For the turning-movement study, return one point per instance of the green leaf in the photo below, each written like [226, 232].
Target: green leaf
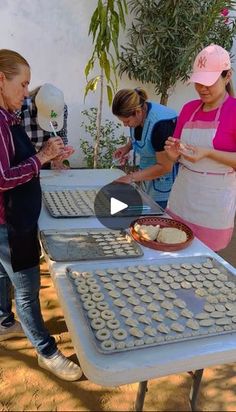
[89, 67]
[109, 95]
[91, 85]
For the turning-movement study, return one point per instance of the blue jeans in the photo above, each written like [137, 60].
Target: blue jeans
[26, 284]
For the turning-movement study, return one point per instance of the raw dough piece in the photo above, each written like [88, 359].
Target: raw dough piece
[217, 315]
[85, 297]
[154, 307]
[158, 317]
[201, 292]
[150, 274]
[114, 294]
[98, 323]
[145, 319]
[164, 286]
[139, 342]
[190, 278]
[148, 232]
[134, 284]
[184, 272]
[192, 324]
[202, 315]
[153, 289]
[128, 276]
[133, 301]
[212, 299]
[163, 328]
[171, 235]
[186, 266]
[209, 308]
[177, 327]
[119, 334]
[102, 305]
[167, 305]
[127, 292]
[150, 331]
[170, 294]
[89, 304]
[146, 298]
[206, 322]
[220, 308]
[146, 282]
[165, 268]
[120, 303]
[218, 283]
[120, 345]
[122, 285]
[139, 309]
[94, 288]
[131, 322]
[204, 270]
[169, 279]
[186, 285]
[82, 288]
[103, 334]
[140, 291]
[108, 345]
[139, 276]
[159, 296]
[179, 303]
[113, 324]
[223, 321]
[97, 296]
[215, 271]
[175, 285]
[143, 268]
[93, 313]
[210, 276]
[133, 269]
[109, 286]
[187, 313]
[195, 271]
[155, 268]
[107, 314]
[231, 313]
[207, 284]
[126, 312]
[136, 332]
[208, 264]
[171, 314]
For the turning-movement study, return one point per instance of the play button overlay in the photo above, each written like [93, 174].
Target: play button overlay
[117, 205]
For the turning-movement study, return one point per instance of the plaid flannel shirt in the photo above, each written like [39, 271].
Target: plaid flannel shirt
[38, 136]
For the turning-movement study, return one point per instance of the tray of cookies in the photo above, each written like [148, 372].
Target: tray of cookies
[71, 203]
[161, 233]
[129, 305]
[89, 244]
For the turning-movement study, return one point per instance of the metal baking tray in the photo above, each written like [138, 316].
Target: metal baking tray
[223, 294]
[89, 244]
[77, 202]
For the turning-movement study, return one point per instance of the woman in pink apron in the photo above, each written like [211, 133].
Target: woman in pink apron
[204, 193]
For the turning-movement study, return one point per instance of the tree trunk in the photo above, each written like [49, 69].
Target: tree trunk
[99, 121]
[164, 99]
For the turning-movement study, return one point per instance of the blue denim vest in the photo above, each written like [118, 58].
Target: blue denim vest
[159, 188]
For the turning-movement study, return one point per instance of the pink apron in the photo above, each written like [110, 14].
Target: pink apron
[204, 193]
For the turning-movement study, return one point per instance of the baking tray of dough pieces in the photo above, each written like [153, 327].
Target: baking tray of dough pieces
[89, 244]
[71, 203]
[63, 202]
[129, 305]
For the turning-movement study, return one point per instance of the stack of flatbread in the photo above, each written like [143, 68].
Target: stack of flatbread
[169, 235]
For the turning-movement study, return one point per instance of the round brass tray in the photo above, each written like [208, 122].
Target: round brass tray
[163, 222]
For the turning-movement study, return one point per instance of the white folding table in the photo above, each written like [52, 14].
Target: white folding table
[136, 365]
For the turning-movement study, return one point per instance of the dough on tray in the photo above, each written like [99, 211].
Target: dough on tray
[171, 235]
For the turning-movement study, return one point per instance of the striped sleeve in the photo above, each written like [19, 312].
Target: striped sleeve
[11, 177]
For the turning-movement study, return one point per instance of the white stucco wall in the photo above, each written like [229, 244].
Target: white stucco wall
[53, 36]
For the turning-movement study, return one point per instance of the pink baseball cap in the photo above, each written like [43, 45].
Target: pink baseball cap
[209, 64]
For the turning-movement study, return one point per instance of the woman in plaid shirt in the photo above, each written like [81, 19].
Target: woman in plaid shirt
[38, 136]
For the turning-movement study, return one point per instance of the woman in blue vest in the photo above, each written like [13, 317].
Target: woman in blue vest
[150, 125]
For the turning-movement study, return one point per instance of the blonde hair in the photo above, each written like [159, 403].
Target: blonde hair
[127, 101]
[10, 61]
